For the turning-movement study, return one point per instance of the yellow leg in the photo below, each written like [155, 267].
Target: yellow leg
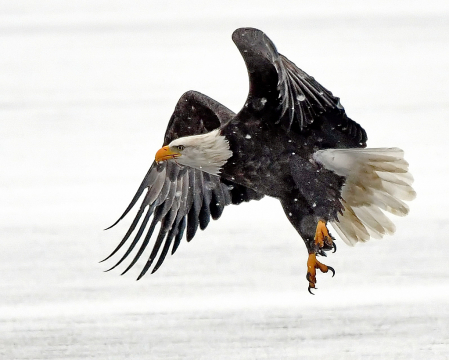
[322, 238]
[312, 265]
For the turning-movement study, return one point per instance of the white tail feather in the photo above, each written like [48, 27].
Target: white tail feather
[376, 180]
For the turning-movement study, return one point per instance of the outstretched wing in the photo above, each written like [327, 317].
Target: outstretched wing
[178, 197]
[283, 93]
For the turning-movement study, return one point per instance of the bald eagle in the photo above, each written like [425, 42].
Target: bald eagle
[292, 140]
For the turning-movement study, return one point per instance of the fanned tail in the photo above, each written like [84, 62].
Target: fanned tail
[377, 180]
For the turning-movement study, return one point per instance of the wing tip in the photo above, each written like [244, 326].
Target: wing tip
[239, 32]
[110, 227]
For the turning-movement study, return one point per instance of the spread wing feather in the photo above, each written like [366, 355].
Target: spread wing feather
[281, 91]
[178, 198]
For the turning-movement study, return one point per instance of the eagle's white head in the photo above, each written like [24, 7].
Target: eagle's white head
[206, 152]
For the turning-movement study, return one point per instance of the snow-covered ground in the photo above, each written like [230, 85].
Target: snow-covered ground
[86, 91]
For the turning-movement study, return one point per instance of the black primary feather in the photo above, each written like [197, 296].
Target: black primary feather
[289, 95]
[178, 197]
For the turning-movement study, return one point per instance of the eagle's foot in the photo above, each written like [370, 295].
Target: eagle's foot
[312, 265]
[323, 240]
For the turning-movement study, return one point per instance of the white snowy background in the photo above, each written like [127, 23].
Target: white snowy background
[86, 91]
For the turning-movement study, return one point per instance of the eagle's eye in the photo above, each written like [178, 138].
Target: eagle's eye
[180, 147]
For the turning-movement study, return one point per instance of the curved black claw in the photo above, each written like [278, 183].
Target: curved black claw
[331, 269]
[310, 291]
[322, 253]
[308, 278]
[334, 246]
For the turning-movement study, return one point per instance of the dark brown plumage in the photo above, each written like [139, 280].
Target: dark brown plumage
[284, 143]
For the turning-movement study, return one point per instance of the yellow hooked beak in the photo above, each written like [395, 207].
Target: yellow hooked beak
[165, 153]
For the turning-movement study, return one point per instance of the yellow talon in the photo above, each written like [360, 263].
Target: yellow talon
[322, 236]
[312, 265]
